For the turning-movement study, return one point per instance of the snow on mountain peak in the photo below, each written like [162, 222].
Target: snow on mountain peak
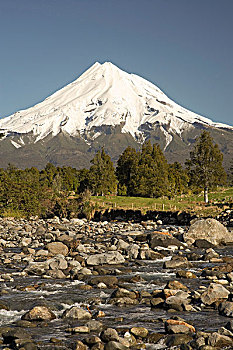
[104, 95]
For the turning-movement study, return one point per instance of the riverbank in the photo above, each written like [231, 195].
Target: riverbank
[78, 284]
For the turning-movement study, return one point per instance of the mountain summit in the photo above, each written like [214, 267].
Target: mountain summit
[107, 107]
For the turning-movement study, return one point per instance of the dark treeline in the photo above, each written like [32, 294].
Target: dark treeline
[66, 191]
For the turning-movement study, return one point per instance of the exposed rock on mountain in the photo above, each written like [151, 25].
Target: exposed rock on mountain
[106, 107]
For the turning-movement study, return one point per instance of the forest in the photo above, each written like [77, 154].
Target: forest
[66, 191]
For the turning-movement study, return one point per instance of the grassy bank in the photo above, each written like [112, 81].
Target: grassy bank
[218, 201]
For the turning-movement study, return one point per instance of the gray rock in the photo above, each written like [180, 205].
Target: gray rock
[139, 332]
[176, 303]
[178, 339]
[122, 245]
[133, 251]
[163, 239]
[213, 293]
[15, 333]
[79, 345]
[226, 308]
[94, 325]
[107, 280]
[109, 334]
[110, 258]
[176, 262]
[177, 329]
[37, 268]
[58, 262]
[210, 230]
[56, 248]
[219, 340]
[39, 313]
[122, 292]
[56, 274]
[77, 313]
[114, 345]
[157, 303]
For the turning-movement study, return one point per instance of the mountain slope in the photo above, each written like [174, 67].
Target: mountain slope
[107, 107]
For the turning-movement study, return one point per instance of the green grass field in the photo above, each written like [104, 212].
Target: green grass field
[218, 200]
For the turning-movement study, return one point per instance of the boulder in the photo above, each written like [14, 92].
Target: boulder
[109, 334]
[177, 326]
[203, 243]
[209, 229]
[122, 292]
[219, 340]
[58, 262]
[177, 302]
[93, 339]
[157, 303]
[122, 245]
[79, 345]
[107, 280]
[185, 274]
[215, 292]
[95, 326]
[133, 251]
[175, 285]
[226, 308]
[56, 274]
[163, 239]
[37, 268]
[110, 258]
[15, 333]
[39, 313]
[176, 262]
[114, 345]
[124, 301]
[77, 313]
[139, 332]
[178, 339]
[56, 248]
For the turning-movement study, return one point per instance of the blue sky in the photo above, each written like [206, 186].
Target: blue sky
[183, 46]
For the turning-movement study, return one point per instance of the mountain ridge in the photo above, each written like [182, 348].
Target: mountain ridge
[103, 102]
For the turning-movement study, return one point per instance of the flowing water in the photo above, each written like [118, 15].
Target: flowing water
[62, 294]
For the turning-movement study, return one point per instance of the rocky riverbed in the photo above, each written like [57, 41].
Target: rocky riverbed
[80, 284]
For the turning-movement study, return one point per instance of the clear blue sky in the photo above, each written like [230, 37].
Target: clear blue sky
[183, 46]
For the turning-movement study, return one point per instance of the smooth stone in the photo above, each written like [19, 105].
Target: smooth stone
[114, 345]
[55, 248]
[39, 313]
[226, 308]
[213, 293]
[209, 229]
[77, 313]
[139, 332]
[111, 258]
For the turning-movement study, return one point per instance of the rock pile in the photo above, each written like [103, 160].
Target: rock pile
[102, 256]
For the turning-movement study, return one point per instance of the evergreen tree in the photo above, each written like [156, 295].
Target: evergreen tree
[84, 180]
[126, 169]
[143, 173]
[205, 164]
[178, 179]
[102, 174]
[151, 178]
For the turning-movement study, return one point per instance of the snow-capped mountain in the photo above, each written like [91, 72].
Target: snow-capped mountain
[103, 101]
